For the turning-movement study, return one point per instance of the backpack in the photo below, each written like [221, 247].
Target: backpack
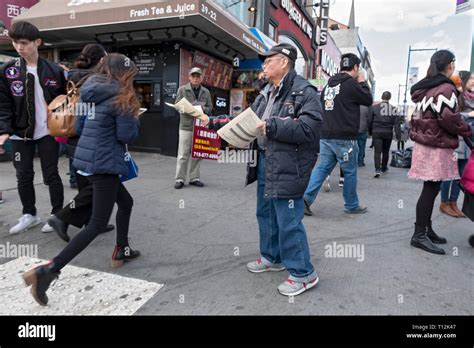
[62, 111]
[401, 159]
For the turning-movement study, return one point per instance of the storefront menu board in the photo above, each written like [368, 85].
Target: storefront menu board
[145, 62]
[216, 72]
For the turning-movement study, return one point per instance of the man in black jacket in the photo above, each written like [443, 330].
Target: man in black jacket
[290, 113]
[383, 120]
[27, 85]
[341, 98]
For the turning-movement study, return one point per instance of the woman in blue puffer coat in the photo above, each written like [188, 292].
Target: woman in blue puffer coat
[111, 123]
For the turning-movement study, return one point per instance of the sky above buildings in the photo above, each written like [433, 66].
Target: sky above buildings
[388, 28]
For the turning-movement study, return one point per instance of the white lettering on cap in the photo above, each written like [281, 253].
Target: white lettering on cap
[285, 51]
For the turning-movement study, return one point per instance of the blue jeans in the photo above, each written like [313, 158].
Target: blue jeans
[361, 142]
[450, 189]
[331, 152]
[282, 234]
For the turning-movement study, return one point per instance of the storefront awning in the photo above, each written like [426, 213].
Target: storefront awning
[65, 22]
[264, 39]
[255, 63]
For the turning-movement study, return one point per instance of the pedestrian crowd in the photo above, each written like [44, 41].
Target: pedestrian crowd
[297, 123]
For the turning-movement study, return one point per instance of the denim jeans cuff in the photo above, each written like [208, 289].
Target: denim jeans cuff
[306, 279]
[352, 207]
[308, 200]
[268, 263]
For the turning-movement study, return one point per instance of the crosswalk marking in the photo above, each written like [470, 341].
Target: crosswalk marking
[77, 291]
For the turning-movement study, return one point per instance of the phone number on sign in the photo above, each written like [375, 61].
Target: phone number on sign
[206, 155]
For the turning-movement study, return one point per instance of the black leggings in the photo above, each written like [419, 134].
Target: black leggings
[106, 191]
[424, 207]
[79, 210]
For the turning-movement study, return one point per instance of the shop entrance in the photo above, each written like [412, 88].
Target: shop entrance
[149, 94]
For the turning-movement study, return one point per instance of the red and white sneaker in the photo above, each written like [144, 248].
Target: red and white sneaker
[292, 288]
[258, 267]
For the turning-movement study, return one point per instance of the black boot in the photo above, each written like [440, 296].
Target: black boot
[421, 240]
[434, 237]
[59, 227]
[123, 254]
[109, 228]
[40, 278]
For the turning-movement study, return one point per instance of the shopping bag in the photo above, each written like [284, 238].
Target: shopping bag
[467, 184]
[132, 167]
[401, 159]
[468, 205]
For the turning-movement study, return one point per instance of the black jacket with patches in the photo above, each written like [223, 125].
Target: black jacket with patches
[292, 138]
[17, 94]
[341, 99]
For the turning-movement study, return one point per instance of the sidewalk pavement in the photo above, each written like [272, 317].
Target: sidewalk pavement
[197, 241]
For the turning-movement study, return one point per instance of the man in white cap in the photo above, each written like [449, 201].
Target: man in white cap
[196, 94]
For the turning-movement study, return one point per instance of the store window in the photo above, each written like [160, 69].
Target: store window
[148, 93]
[239, 9]
[272, 31]
[301, 64]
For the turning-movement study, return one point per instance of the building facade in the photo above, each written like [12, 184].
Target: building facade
[164, 39]
[290, 21]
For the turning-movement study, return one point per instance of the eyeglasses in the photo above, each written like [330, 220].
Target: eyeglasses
[268, 60]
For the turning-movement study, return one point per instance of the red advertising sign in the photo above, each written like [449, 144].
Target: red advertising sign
[10, 9]
[206, 143]
[216, 72]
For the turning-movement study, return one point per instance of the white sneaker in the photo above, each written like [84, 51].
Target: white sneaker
[327, 185]
[47, 228]
[26, 222]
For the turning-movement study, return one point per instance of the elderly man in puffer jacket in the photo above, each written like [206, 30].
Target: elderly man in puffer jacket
[290, 113]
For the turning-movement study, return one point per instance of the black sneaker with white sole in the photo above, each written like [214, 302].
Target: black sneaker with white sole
[307, 210]
[361, 209]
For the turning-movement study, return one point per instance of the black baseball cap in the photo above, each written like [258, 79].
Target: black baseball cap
[285, 49]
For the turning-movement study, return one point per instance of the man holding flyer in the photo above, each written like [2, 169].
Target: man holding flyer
[290, 117]
[197, 95]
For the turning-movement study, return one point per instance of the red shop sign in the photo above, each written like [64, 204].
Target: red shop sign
[9, 9]
[206, 143]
